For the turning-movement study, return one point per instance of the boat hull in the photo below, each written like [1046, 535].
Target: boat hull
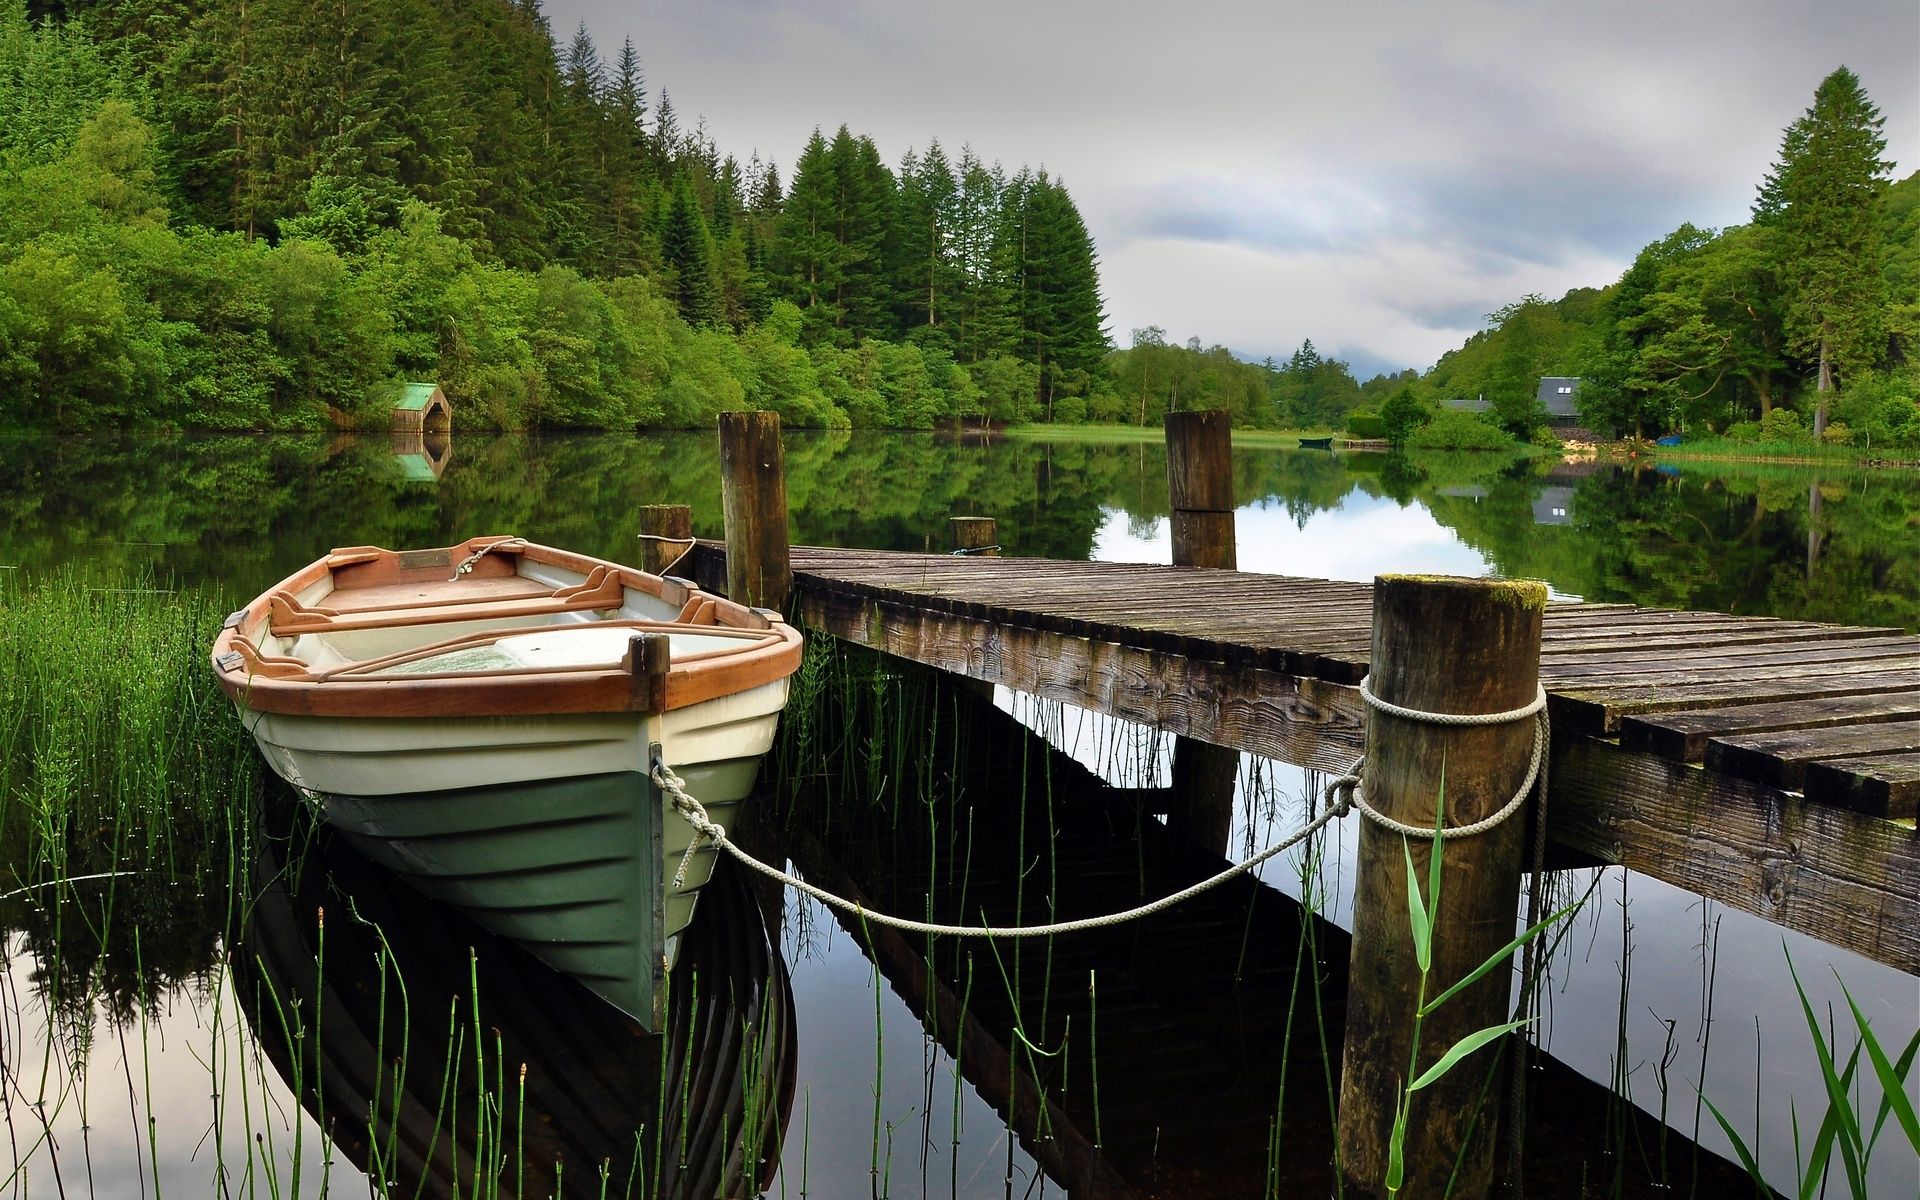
[546, 829]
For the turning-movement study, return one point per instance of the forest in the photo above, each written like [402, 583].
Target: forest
[256, 214]
[252, 214]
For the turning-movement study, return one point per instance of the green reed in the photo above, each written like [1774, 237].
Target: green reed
[1843, 1132]
[117, 750]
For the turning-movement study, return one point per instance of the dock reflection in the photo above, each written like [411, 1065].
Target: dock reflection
[443, 1061]
[1194, 1052]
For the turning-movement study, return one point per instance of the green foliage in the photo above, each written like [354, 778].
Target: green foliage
[1781, 425]
[1152, 377]
[1451, 430]
[1311, 391]
[1402, 415]
[1819, 209]
[1366, 425]
[1883, 407]
[250, 215]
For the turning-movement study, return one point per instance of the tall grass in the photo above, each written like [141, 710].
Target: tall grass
[117, 750]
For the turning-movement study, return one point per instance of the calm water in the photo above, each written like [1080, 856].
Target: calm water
[1141, 1064]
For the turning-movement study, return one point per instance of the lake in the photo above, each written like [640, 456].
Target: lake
[194, 1030]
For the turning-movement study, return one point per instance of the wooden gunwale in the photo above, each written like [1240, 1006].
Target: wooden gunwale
[268, 683]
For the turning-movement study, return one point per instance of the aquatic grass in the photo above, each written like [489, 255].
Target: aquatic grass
[1841, 1131]
[117, 750]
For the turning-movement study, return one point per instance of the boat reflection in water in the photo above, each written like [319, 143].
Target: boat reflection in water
[444, 1061]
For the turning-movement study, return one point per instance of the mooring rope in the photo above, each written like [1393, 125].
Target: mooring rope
[705, 829]
[470, 561]
[1345, 785]
[686, 545]
[1542, 735]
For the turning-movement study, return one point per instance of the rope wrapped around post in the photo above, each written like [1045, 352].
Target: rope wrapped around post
[1348, 782]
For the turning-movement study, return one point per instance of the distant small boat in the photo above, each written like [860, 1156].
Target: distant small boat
[1316, 443]
[482, 719]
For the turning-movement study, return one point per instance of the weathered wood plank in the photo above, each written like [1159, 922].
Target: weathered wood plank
[1684, 736]
[1598, 709]
[1266, 712]
[1848, 880]
[1781, 759]
[1886, 785]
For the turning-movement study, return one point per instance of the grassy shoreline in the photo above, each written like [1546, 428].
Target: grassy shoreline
[1781, 453]
[1249, 439]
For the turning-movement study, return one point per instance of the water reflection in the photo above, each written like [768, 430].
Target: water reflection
[444, 1062]
[1828, 544]
[1190, 1053]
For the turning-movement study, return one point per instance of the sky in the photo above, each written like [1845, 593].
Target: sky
[1375, 176]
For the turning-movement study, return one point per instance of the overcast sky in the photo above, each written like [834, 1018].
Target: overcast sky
[1376, 176]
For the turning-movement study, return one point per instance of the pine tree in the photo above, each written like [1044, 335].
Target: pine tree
[626, 117]
[983, 329]
[1046, 261]
[929, 239]
[1820, 205]
[804, 260]
[864, 198]
[666, 135]
[688, 257]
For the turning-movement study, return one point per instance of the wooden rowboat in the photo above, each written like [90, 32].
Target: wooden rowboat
[482, 719]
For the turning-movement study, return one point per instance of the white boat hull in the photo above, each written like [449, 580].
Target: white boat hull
[544, 828]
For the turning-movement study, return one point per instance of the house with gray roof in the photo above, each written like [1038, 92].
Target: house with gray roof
[1469, 404]
[1556, 395]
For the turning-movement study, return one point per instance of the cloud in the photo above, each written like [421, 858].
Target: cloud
[1375, 175]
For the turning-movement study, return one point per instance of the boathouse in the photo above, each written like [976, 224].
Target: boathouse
[421, 408]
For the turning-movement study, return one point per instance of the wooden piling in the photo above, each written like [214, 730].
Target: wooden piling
[753, 491]
[975, 536]
[1200, 486]
[665, 532]
[1440, 645]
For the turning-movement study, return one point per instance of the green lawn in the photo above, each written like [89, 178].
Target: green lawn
[1777, 452]
[1250, 439]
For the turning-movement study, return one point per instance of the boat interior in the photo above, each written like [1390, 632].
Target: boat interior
[488, 606]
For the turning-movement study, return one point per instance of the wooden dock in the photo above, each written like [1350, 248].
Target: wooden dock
[1767, 764]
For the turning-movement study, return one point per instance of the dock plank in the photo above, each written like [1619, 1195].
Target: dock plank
[1683, 736]
[1885, 785]
[1780, 759]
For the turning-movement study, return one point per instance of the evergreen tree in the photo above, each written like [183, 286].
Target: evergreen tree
[626, 104]
[1045, 259]
[930, 270]
[687, 254]
[982, 328]
[864, 202]
[666, 135]
[805, 259]
[1819, 205]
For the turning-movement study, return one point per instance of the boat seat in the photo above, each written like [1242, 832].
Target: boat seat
[468, 599]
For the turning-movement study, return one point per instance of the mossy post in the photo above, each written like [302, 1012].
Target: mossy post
[665, 530]
[753, 493]
[975, 536]
[1440, 645]
[1200, 488]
